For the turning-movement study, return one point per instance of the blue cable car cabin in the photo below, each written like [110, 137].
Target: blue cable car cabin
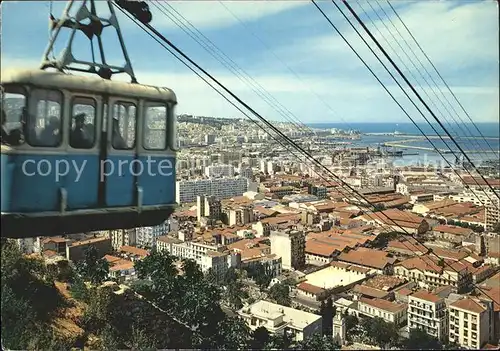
[82, 154]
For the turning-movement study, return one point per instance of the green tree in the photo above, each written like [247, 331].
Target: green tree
[92, 268]
[260, 337]
[496, 228]
[261, 275]
[29, 301]
[192, 299]
[327, 311]
[420, 340]
[234, 293]
[317, 342]
[280, 292]
[141, 341]
[380, 332]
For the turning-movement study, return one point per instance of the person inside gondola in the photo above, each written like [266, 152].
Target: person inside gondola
[50, 134]
[13, 137]
[79, 138]
[118, 142]
[5, 132]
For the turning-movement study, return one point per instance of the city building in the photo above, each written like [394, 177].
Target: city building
[122, 237]
[222, 188]
[208, 206]
[290, 245]
[428, 312]
[392, 312]
[319, 191]
[471, 322]
[246, 172]
[75, 251]
[277, 319]
[146, 236]
[429, 273]
[219, 171]
[492, 215]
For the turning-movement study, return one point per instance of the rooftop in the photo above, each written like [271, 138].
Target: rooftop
[269, 310]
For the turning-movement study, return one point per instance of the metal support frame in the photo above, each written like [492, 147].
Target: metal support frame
[66, 60]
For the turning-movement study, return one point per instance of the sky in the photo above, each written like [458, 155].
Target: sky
[292, 57]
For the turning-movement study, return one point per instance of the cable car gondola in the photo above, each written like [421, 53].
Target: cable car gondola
[82, 153]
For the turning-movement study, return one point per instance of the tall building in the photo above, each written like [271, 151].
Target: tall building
[209, 139]
[246, 172]
[471, 322]
[219, 171]
[427, 311]
[492, 214]
[146, 236]
[122, 237]
[222, 188]
[240, 215]
[208, 206]
[319, 191]
[290, 245]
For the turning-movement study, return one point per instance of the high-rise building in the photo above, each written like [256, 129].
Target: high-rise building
[492, 214]
[471, 322]
[290, 245]
[427, 311]
[221, 188]
[208, 206]
[219, 171]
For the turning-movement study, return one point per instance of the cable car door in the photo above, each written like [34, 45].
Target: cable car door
[157, 181]
[119, 167]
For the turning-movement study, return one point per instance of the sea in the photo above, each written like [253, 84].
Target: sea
[480, 141]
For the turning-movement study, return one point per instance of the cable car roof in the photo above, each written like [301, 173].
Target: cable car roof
[58, 80]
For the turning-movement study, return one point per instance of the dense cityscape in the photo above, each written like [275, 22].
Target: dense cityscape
[298, 260]
[366, 230]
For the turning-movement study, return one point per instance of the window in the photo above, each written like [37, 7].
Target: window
[123, 126]
[83, 128]
[43, 124]
[172, 128]
[155, 127]
[13, 107]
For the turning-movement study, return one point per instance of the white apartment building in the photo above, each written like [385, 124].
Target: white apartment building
[290, 246]
[471, 322]
[241, 215]
[281, 320]
[146, 236]
[479, 197]
[492, 215]
[219, 171]
[208, 256]
[208, 206]
[222, 188]
[122, 237]
[392, 312]
[428, 274]
[427, 311]
[246, 172]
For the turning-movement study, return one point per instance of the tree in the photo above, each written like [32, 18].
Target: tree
[380, 332]
[327, 311]
[260, 274]
[92, 268]
[260, 337]
[317, 342]
[280, 293]
[351, 325]
[141, 341]
[29, 301]
[420, 340]
[496, 228]
[234, 289]
[383, 239]
[194, 300]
